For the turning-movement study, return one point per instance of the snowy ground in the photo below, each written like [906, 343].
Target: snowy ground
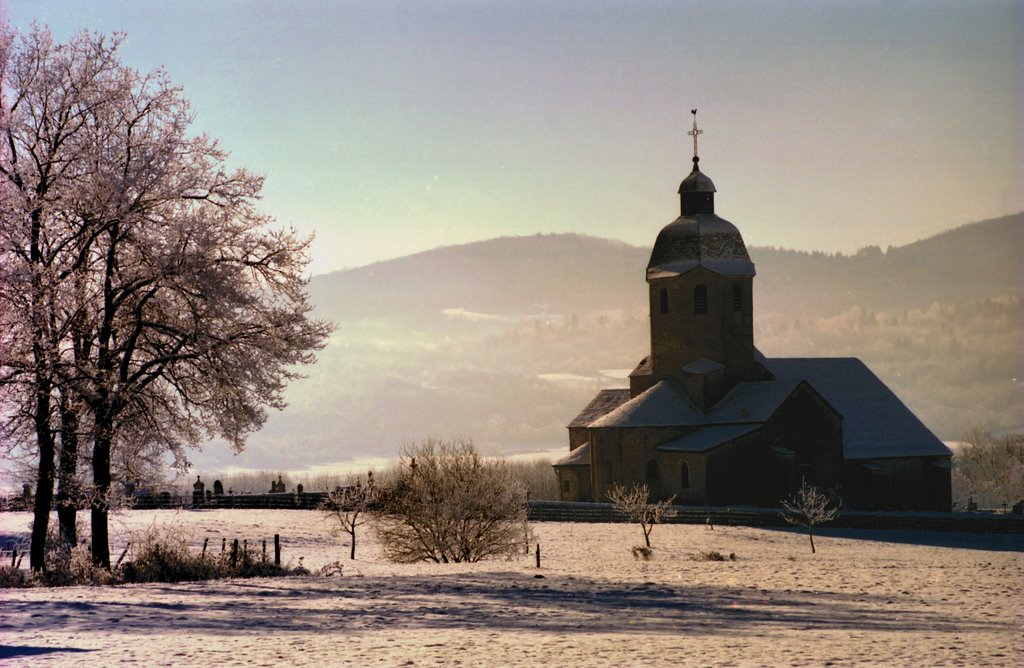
[870, 598]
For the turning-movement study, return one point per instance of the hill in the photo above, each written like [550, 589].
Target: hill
[572, 273]
[503, 341]
[508, 276]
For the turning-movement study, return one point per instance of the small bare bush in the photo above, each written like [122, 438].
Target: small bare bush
[445, 503]
[333, 569]
[164, 555]
[635, 504]
[642, 553]
[712, 555]
[74, 566]
[12, 576]
[809, 507]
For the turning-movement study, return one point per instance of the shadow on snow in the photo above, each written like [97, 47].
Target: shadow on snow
[506, 601]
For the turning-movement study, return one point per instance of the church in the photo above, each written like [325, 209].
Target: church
[710, 420]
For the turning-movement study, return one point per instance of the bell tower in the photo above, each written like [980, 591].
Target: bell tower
[700, 280]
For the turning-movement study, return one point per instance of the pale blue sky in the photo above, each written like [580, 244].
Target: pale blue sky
[393, 127]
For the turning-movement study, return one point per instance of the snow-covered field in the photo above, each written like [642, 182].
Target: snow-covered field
[871, 598]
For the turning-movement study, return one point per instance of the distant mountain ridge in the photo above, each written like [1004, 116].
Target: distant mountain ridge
[506, 275]
[573, 273]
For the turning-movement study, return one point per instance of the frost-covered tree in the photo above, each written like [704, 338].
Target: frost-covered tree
[809, 507]
[161, 301]
[989, 468]
[636, 505]
[446, 504]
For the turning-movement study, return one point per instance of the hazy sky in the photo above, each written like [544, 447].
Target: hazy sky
[393, 127]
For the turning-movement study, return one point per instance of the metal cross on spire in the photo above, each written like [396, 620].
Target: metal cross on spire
[693, 133]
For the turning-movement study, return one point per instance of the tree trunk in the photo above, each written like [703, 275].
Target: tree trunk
[67, 491]
[44, 480]
[811, 536]
[100, 506]
[352, 554]
[43, 502]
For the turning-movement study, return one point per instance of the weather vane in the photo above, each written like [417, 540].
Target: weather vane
[693, 133]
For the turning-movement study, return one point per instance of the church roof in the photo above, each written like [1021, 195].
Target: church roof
[707, 438]
[660, 406]
[697, 182]
[754, 401]
[699, 240]
[643, 368]
[605, 402]
[876, 424]
[578, 457]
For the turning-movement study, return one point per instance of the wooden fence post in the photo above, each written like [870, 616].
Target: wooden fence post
[277, 549]
[121, 558]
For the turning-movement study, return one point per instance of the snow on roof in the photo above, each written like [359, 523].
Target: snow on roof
[876, 424]
[643, 368]
[578, 457]
[605, 402]
[660, 406]
[707, 438]
[699, 240]
[664, 405]
[749, 402]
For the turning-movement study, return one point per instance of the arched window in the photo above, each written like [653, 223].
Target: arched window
[684, 478]
[737, 297]
[663, 296]
[700, 299]
[652, 470]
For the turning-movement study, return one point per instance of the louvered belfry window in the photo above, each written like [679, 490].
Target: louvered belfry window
[700, 299]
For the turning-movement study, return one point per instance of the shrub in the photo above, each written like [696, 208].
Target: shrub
[73, 566]
[712, 555]
[13, 577]
[165, 556]
[641, 552]
[446, 504]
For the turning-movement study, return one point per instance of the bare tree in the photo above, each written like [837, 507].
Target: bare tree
[350, 506]
[160, 302]
[636, 505]
[809, 507]
[445, 503]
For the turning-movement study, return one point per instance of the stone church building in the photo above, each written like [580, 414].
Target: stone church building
[707, 418]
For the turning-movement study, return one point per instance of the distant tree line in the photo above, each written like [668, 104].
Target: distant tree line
[989, 469]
